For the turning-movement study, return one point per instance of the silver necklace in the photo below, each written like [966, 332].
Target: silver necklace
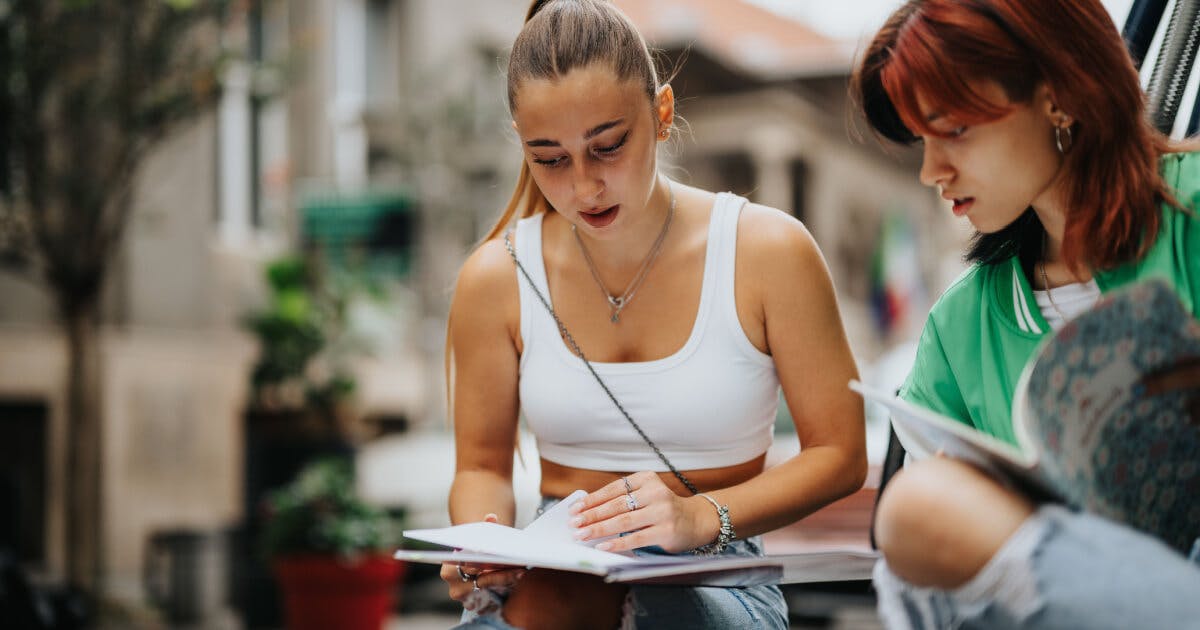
[616, 303]
[1046, 282]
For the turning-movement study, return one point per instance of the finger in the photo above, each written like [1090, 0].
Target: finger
[475, 568]
[606, 493]
[620, 524]
[607, 510]
[500, 579]
[635, 540]
[1183, 375]
[458, 590]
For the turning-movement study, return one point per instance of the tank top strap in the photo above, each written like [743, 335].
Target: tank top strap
[527, 239]
[722, 249]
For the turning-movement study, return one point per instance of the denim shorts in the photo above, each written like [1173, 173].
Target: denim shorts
[671, 607]
[1060, 569]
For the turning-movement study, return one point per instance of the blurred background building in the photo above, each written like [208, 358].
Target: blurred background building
[372, 136]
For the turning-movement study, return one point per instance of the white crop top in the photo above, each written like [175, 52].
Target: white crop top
[710, 404]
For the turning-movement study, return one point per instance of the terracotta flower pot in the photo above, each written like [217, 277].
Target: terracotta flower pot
[321, 592]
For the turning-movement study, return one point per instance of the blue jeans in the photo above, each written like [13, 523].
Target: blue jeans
[1060, 569]
[670, 607]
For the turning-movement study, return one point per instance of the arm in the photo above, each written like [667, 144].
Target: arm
[484, 326]
[802, 330]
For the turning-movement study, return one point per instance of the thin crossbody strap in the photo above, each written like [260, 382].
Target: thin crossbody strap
[579, 352]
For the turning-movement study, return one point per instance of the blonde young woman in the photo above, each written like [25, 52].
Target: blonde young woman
[693, 309]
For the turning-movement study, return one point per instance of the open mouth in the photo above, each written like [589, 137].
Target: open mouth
[600, 218]
[963, 205]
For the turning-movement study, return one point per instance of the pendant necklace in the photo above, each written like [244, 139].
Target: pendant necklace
[616, 303]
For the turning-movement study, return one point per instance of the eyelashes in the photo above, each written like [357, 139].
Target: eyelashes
[602, 152]
[613, 148]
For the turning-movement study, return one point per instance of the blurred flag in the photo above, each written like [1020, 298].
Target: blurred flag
[895, 274]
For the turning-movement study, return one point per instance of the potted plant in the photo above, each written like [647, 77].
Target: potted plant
[306, 347]
[301, 404]
[331, 551]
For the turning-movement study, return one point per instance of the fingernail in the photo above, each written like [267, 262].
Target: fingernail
[580, 534]
[576, 507]
[577, 521]
[604, 546]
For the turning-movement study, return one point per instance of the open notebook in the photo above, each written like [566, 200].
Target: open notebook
[547, 543]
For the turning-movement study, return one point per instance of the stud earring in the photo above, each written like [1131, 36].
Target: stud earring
[664, 134]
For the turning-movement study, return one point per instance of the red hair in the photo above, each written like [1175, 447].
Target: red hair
[939, 49]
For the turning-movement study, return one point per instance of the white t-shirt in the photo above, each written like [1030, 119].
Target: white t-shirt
[1071, 299]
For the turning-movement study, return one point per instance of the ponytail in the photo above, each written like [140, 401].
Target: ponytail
[527, 200]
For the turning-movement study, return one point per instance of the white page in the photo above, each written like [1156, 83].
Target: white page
[818, 566]
[924, 432]
[501, 540]
[555, 523]
[459, 557]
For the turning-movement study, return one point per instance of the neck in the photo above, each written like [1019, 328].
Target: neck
[628, 250]
[1057, 272]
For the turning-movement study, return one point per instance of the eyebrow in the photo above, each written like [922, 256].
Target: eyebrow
[591, 133]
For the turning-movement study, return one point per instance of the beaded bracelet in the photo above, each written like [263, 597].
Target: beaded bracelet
[724, 536]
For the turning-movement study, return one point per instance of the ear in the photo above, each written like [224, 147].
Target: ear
[664, 110]
[1044, 99]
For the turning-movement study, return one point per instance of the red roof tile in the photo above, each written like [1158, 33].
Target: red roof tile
[742, 35]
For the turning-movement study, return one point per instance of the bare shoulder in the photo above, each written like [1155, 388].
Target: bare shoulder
[487, 268]
[487, 285]
[770, 241]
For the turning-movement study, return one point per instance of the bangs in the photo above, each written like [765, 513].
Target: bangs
[922, 67]
[916, 73]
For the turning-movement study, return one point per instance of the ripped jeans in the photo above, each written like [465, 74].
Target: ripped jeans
[1060, 569]
[670, 607]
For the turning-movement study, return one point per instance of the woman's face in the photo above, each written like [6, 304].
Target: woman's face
[589, 139]
[993, 171]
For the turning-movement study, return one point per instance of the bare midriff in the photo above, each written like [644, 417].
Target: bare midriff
[559, 480]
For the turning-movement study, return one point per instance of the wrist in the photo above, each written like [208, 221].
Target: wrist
[724, 527]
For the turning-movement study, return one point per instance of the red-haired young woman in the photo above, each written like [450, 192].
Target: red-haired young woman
[1033, 125]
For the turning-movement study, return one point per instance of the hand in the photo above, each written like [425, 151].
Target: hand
[463, 578]
[658, 516]
[1183, 375]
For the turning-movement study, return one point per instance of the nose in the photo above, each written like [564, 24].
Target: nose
[587, 182]
[935, 168]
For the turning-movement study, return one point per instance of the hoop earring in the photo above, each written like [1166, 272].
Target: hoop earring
[1058, 139]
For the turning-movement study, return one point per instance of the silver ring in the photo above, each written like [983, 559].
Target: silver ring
[631, 501]
[628, 488]
[464, 576]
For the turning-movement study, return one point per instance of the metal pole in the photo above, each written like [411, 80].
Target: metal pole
[1174, 64]
[1140, 26]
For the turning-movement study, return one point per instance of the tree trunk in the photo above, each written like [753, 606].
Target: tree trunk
[84, 448]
